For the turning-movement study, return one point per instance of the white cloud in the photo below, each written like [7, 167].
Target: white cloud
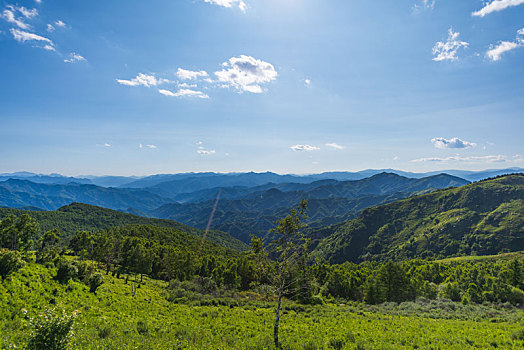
[187, 86]
[50, 28]
[495, 51]
[424, 5]
[151, 146]
[27, 13]
[473, 159]
[246, 73]
[307, 82]
[183, 93]
[59, 23]
[334, 146]
[107, 145]
[144, 80]
[190, 75]
[396, 158]
[9, 16]
[49, 48]
[229, 3]
[448, 50]
[304, 148]
[21, 36]
[495, 6]
[455, 142]
[74, 57]
[205, 152]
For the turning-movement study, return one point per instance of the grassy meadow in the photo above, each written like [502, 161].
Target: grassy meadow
[114, 319]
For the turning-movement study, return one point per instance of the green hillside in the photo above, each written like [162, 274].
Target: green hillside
[115, 318]
[482, 218]
[84, 217]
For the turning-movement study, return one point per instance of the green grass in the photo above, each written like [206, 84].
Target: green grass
[474, 258]
[113, 319]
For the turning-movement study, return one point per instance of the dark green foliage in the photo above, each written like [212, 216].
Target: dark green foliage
[51, 331]
[66, 271]
[142, 327]
[95, 281]
[10, 261]
[83, 217]
[17, 233]
[479, 219]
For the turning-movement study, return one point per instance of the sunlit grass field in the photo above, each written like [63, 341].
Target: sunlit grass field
[114, 319]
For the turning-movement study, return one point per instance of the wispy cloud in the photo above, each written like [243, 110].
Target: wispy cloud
[147, 146]
[206, 152]
[495, 52]
[9, 16]
[306, 148]
[190, 75]
[472, 159]
[51, 28]
[495, 6]
[334, 146]
[307, 82]
[447, 50]
[183, 93]
[107, 145]
[229, 3]
[424, 5]
[74, 57]
[245, 73]
[22, 36]
[144, 80]
[455, 142]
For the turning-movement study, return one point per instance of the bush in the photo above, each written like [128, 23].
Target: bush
[142, 327]
[104, 332]
[337, 343]
[518, 334]
[52, 330]
[66, 271]
[95, 281]
[10, 261]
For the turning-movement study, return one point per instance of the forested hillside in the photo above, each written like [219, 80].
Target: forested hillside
[482, 218]
[83, 217]
[330, 201]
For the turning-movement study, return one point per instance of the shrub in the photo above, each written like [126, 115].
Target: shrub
[66, 271]
[518, 334]
[95, 281]
[52, 330]
[337, 343]
[10, 261]
[104, 332]
[142, 327]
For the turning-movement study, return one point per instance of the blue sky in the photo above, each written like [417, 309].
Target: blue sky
[291, 86]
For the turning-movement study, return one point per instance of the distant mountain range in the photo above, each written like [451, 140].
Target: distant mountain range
[249, 203]
[191, 182]
[330, 201]
[482, 218]
[22, 193]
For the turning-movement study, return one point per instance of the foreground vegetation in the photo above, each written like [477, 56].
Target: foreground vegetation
[114, 319]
